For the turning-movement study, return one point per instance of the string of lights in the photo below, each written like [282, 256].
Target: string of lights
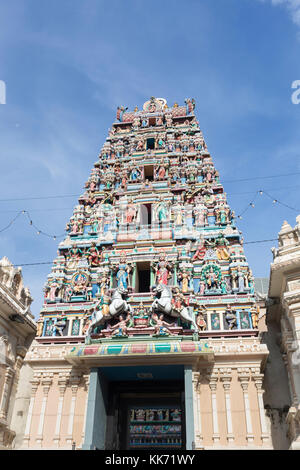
[31, 223]
[239, 216]
[51, 262]
[274, 200]
[237, 180]
[53, 209]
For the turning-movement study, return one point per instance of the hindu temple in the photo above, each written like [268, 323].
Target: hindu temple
[148, 337]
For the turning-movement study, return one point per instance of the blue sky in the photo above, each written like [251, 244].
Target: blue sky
[68, 64]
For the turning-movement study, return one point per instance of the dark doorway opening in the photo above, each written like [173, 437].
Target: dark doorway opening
[148, 172]
[150, 144]
[143, 277]
[147, 415]
[152, 121]
[146, 214]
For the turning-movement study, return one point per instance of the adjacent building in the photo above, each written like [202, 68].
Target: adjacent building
[283, 321]
[17, 330]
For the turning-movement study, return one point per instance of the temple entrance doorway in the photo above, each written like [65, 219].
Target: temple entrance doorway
[147, 414]
[151, 421]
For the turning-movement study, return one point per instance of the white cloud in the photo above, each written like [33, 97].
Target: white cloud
[293, 6]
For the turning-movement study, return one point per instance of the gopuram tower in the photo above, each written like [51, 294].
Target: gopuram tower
[148, 336]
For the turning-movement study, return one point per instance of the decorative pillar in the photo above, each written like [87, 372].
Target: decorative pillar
[86, 382]
[213, 380]
[258, 380]
[81, 326]
[46, 382]
[69, 333]
[189, 407]
[74, 382]
[293, 369]
[95, 428]
[34, 386]
[62, 384]
[198, 426]
[9, 374]
[226, 380]
[20, 355]
[290, 380]
[244, 378]
[221, 316]
[133, 281]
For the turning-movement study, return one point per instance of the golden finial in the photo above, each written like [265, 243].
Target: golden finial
[136, 109]
[175, 105]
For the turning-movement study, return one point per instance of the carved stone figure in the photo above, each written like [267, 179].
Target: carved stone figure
[120, 329]
[161, 327]
[122, 270]
[230, 317]
[184, 276]
[162, 270]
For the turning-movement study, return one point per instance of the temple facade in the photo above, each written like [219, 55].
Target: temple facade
[150, 332]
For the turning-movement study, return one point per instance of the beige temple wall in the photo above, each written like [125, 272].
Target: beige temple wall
[21, 405]
[55, 387]
[237, 364]
[238, 437]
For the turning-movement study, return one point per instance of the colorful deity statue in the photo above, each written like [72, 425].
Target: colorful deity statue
[135, 174]
[59, 325]
[211, 278]
[190, 105]
[179, 301]
[161, 328]
[221, 244]
[162, 270]
[80, 283]
[140, 145]
[240, 278]
[120, 111]
[130, 213]
[250, 279]
[94, 256]
[54, 287]
[122, 270]
[223, 286]
[185, 277]
[104, 283]
[200, 322]
[200, 213]
[161, 173]
[120, 329]
[230, 317]
[160, 143]
[254, 315]
[94, 224]
[162, 211]
[200, 251]
[68, 292]
[211, 275]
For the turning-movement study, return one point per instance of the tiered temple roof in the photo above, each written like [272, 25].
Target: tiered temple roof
[152, 248]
